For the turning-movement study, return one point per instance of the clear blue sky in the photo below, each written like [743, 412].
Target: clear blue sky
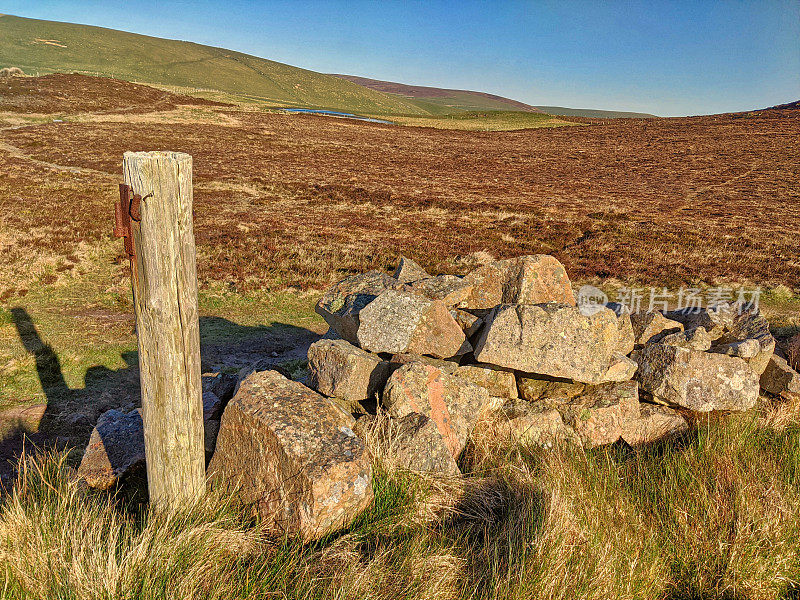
[668, 58]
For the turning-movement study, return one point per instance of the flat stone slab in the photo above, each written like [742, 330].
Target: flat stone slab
[534, 425]
[293, 456]
[500, 383]
[556, 340]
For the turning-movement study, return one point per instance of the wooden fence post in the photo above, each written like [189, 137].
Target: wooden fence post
[165, 300]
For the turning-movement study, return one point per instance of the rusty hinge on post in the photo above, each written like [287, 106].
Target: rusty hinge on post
[127, 210]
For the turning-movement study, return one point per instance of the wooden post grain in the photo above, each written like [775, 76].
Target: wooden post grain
[165, 301]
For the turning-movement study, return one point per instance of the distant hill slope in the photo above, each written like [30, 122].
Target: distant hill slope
[593, 113]
[48, 46]
[446, 100]
[442, 98]
[789, 105]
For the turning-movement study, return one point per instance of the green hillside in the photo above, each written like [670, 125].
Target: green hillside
[42, 47]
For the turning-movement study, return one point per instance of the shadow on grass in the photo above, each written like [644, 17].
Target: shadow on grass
[69, 414]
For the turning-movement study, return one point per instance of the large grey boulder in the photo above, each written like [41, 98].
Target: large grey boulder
[337, 368]
[700, 381]
[408, 271]
[533, 279]
[533, 425]
[115, 451]
[556, 340]
[780, 379]
[452, 403]
[293, 456]
[655, 423]
[396, 322]
[341, 304]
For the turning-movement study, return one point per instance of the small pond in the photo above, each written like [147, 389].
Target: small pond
[333, 113]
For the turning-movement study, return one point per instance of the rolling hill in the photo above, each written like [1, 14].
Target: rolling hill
[40, 47]
[442, 100]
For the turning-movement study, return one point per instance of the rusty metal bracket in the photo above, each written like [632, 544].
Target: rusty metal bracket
[126, 210]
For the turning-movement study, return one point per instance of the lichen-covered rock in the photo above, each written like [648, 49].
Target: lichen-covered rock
[741, 325]
[341, 304]
[408, 271]
[533, 424]
[700, 381]
[648, 325]
[469, 323]
[556, 340]
[452, 403]
[694, 339]
[450, 289]
[532, 388]
[115, 450]
[779, 378]
[655, 423]
[397, 322]
[498, 382]
[602, 413]
[337, 368]
[412, 442]
[292, 456]
[745, 349]
[534, 279]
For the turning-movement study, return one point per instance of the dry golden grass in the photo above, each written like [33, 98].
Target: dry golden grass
[713, 516]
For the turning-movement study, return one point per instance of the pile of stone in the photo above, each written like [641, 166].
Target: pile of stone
[419, 361]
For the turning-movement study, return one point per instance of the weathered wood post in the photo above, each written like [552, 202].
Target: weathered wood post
[164, 276]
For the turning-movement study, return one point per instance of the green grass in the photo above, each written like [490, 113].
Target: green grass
[110, 53]
[712, 517]
[485, 120]
[592, 113]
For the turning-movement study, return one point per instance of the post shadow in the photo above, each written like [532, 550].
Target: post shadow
[70, 414]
